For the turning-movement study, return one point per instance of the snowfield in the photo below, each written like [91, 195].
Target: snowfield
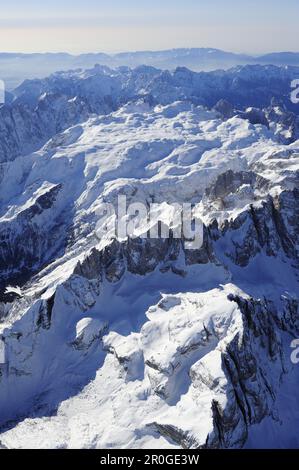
[144, 343]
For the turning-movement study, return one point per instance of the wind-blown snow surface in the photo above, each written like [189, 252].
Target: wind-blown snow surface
[145, 343]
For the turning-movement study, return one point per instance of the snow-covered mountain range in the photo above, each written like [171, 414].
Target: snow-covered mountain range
[39, 109]
[16, 67]
[143, 342]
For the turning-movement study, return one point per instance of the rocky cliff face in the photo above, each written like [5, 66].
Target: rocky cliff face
[271, 227]
[42, 237]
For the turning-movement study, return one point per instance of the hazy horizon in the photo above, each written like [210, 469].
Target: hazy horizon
[128, 51]
[250, 27]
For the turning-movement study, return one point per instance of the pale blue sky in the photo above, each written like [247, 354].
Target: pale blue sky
[252, 26]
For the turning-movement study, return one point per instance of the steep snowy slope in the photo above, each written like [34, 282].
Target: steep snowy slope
[146, 343]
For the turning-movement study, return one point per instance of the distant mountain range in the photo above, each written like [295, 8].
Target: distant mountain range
[16, 67]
